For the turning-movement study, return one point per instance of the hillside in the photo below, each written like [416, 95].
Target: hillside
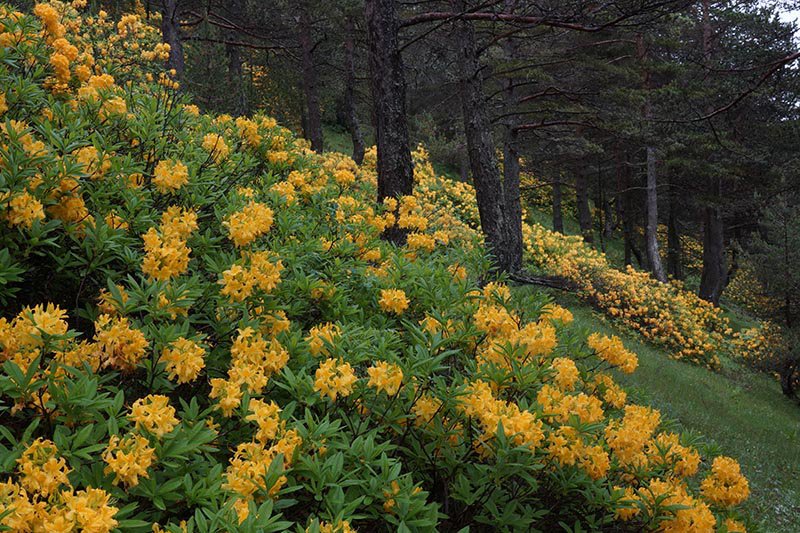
[203, 330]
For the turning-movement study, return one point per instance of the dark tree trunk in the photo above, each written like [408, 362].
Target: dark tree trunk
[651, 229]
[170, 33]
[714, 276]
[512, 195]
[350, 93]
[511, 168]
[395, 171]
[625, 210]
[788, 374]
[235, 75]
[492, 206]
[674, 248]
[558, 216]
[584, 213]
[651, 197]
[608, 211]
[313, 123]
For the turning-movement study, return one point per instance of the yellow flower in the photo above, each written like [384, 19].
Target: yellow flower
[319, 335]
[611, 350]
[334, 379]
[170, 175]
[128, 458]
[386, 377]
[393, 301]
[725, 486]
[246, 225]
[91, 510]
[121, 345]
[266, 416]
[22, 209]
[566, 373]
[184, 360]
[215, 145]
[40, 468]
[154, 415]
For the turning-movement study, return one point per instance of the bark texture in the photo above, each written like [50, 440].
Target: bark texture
[584, 213]
[234, 55]
[714, 276]
[395, 170]
[312, 129]
[651, 229]
[558, 216]
[170, 32]
[492, 206]
[351, 116]
[511, 164]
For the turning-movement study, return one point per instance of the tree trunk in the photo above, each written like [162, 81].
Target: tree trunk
[625, 209]
[651, 202]
[313, 122]
[713, 278]
[558, 217]
[480, 148]
[170, 33]
[674, 248]
[511, 168]
[350, 93]
[651, 229]
[395, 171]
[584, 213]
[512, 196]
[234, 54]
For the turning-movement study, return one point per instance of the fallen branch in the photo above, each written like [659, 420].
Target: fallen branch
[553, 282]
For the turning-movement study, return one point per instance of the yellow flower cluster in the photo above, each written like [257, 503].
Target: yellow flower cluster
[128, 458]
[44, 499]
[216, 146]
[611, 350]
[393, 301]
[266, 416]
[253, 360]
[166, 252]
[320, 335]
[725, 486]
[22, 209]
[628, 437]
[153, 414]
[120, 345]
[260, 272]
[338, 527]
[245, 474]
[170, 175]
[334, 378]
[385, 377]
[521, 426]
[184, 360]
[248, 224]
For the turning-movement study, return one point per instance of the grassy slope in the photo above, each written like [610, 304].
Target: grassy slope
[742, 413]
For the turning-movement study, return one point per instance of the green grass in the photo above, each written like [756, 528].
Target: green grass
[741, 413]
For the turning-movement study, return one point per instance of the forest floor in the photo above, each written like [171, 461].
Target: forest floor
[735, 411]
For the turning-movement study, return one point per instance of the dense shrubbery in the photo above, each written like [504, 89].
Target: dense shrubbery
[243, 353]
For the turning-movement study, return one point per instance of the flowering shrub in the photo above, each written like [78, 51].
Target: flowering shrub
[203, 332]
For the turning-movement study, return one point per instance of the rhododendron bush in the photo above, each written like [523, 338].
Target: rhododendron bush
[202, 331]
